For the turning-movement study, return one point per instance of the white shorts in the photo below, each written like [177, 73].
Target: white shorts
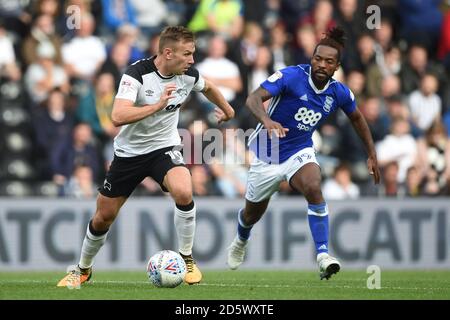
[264, 179]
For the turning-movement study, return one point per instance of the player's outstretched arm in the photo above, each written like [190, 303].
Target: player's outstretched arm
[361, 127]
[125, 112]
[255, 104]
[212, 93]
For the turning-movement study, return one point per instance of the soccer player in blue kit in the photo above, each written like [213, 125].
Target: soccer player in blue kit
[302, 97]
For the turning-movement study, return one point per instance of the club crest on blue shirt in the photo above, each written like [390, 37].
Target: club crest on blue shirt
[328, 103]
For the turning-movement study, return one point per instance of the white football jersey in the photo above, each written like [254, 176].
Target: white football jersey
[143, 84]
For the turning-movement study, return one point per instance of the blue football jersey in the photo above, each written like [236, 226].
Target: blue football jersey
[299, 106]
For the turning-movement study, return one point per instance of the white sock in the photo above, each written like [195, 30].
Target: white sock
[185, 227]
[91, 246]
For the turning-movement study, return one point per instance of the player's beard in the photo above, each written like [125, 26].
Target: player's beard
[322, 80]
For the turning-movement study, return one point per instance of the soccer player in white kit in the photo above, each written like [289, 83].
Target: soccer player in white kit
[302, 97]
[146, 108]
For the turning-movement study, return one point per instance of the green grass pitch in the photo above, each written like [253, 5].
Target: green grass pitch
[232, 285]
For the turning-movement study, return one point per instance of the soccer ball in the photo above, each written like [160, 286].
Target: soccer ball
[166, 269]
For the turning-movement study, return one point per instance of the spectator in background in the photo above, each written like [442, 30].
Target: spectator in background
[53, 9]
[252, 39]
[390, 86]
[85, 53]
[350, 16]
[340, 186]
[413, 183]
[117, 13]
[305, 42]
[366, 53]
[397, 108]
[443, 53]
[384, 37]
[320, 18]
[8, 65]
[416, 66]
[399, 146]
[117, 61]
[52, 124]
[293, 10]
[15, 17]
[95, 109]
[351, 149]
[45, 75]
[224, 17]
[202, 185]
[42, 31]
[220, 71]
[387, 65]
[129, 35]
[151, 16]
[390, 186]
[81, 183]
[279, 39]
[356, 81]
[72, 152]
[420, 21]
[425, 104]
[438, 158]
[261, 68]
[243, 52]
[230, 168]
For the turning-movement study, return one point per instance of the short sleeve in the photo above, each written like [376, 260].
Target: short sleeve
[128, 88]
[347, 100]
[200, 84]
[276, 83]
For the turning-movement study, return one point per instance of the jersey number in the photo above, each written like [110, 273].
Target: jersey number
[307, 116]
[175, 156]
[173, 107]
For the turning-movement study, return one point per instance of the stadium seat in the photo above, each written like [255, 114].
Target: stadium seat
[46, 189]
[15, 188]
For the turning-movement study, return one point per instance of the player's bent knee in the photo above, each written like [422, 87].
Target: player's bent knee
[182, 197]
[103, 219]
[312, 191]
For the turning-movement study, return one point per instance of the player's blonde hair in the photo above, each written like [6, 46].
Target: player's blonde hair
[171, 35]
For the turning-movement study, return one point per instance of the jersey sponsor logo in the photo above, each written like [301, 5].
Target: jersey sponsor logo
[308, 118]
[328, 103]
[172, 107]
[274, 77]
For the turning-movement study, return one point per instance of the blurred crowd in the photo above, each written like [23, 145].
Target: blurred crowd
[61, 62]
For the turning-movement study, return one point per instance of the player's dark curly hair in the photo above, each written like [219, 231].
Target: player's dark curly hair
[335, 38]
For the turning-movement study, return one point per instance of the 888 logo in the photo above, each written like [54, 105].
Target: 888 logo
[307, 117]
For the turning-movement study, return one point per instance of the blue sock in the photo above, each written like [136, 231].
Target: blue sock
[318, 223]
[242, 229]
